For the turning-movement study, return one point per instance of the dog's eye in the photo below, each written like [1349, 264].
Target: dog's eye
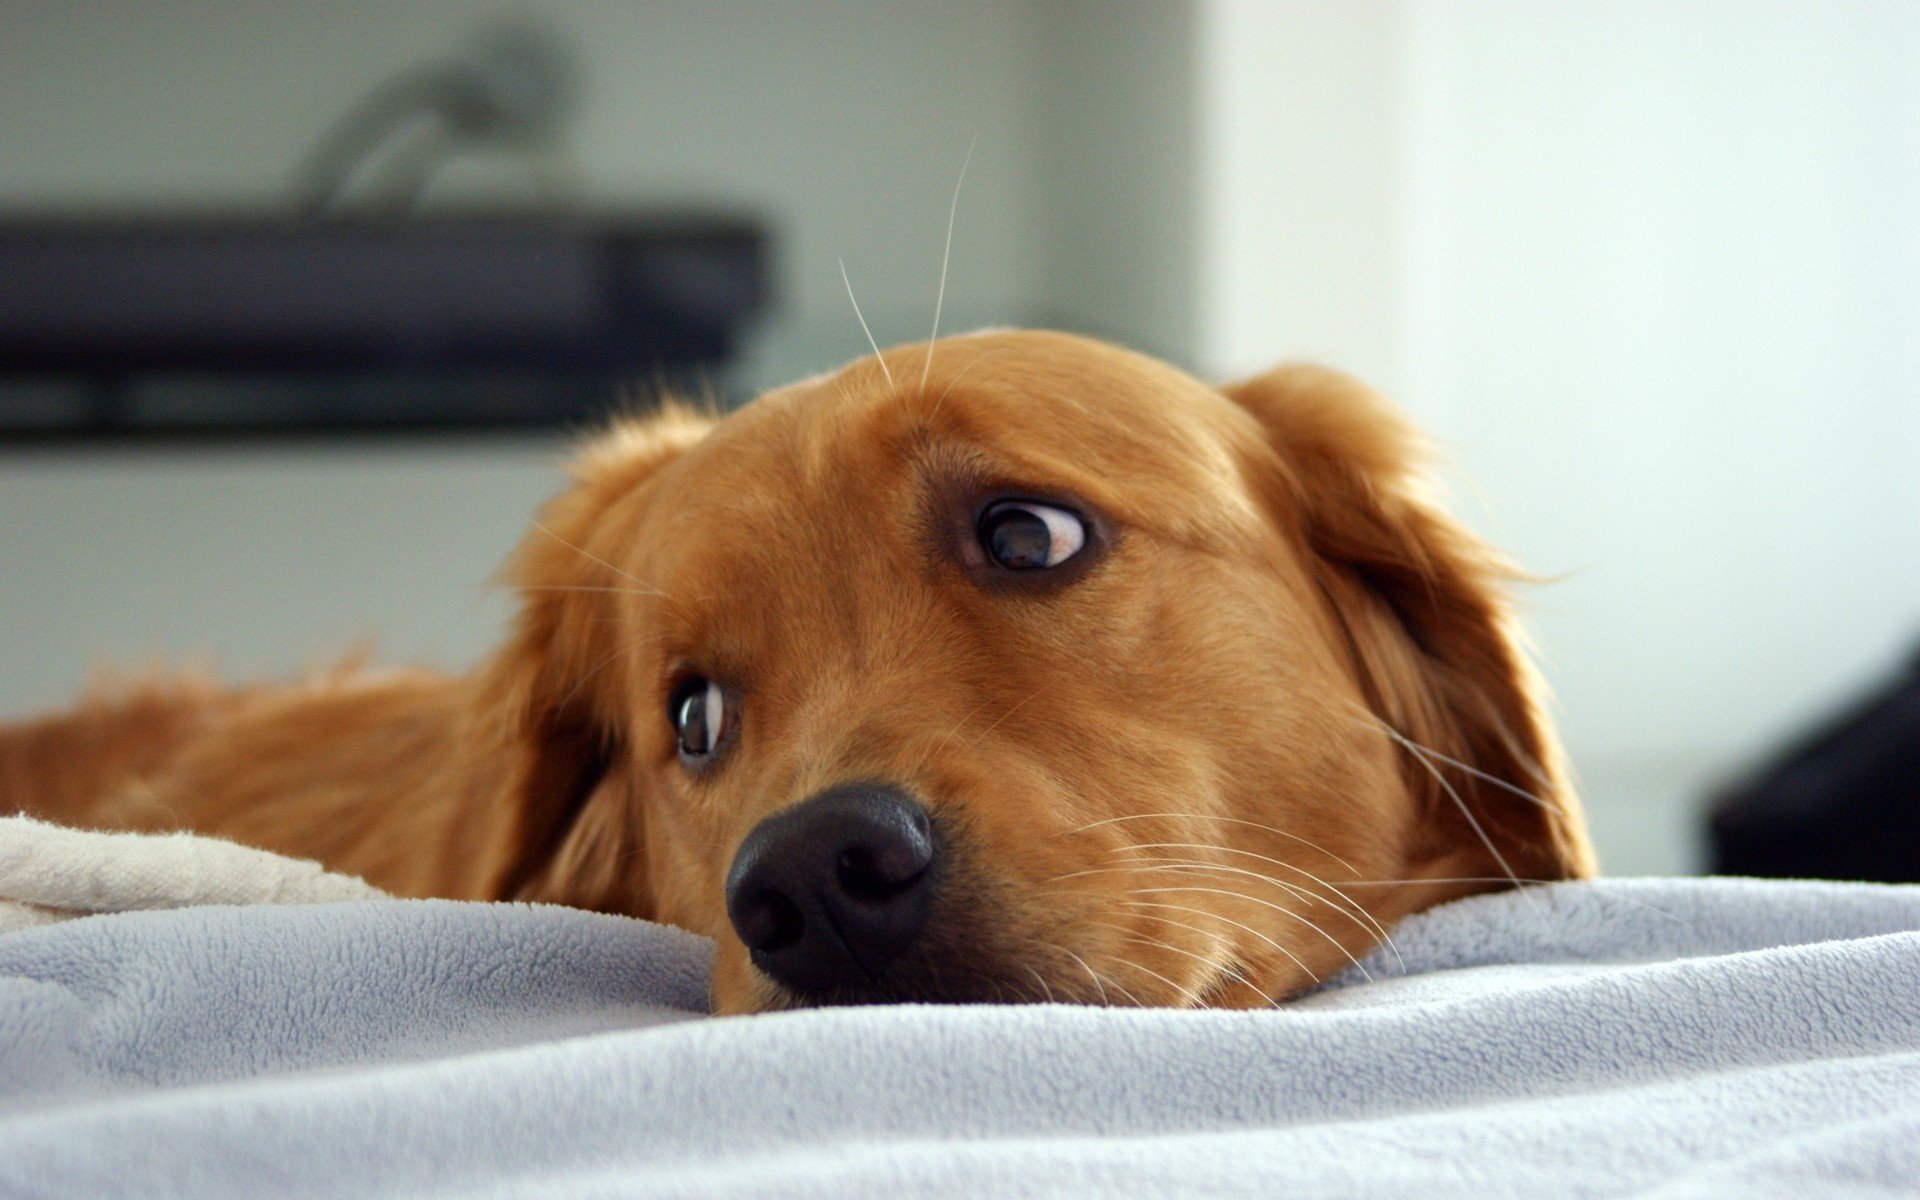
[1021, 535]
[700, 715]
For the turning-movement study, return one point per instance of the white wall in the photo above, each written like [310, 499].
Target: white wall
[1651, 270]
[1300, 145]
[254, 561]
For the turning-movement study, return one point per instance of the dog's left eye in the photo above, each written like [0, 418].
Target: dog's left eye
[700, 715]
[1021, 535]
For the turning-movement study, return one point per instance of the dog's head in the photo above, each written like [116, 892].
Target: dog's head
[1057, 675]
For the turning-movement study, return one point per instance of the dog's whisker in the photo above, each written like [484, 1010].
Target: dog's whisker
[1507, 879]
[1444, 879]
[541, 526]
[593, 671]
[1374, 721]
[1091, 973]
[1290, 889]
[1279, 908]
[1350, 906]
[1039, 944]
[946, 257]
[976, 360]
[1013, 708]
[935, 747]
[1466, 811]
[1369, 926]
[1292, 837]
[555, 587]
[928, 754]
[1230, 971]
[1041, 980]
[1122, 988]
[1192, 998]
[1201, 912]
[1213, 967]
[859, 316]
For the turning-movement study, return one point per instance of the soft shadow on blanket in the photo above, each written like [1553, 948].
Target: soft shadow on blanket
[1679, 1038]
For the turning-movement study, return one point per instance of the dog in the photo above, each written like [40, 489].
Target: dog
[1010, 667]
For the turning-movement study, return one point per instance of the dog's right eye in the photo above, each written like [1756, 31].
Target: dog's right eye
[700, 715]
[1022, 535]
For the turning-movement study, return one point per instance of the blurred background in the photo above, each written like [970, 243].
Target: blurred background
[300, 303]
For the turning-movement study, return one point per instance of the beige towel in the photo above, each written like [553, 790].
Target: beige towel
[52, 873]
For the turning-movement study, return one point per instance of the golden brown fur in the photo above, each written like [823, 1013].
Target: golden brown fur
[1282, 708]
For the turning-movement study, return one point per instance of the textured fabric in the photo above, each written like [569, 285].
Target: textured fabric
[50, 873]
[1663, 1038]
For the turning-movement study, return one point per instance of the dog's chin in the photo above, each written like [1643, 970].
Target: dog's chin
[952, 965]
[918, 985]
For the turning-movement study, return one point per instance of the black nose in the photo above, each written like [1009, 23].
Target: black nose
[828, 892]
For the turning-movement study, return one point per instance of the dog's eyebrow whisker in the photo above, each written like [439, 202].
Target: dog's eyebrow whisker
[541, 526]
[1350, 906]
[556, 587]
[861, 317]
[946, 257]
[621, 652]
[957, 377]
[1201, 912]
[1279, 908]
[1292, 837]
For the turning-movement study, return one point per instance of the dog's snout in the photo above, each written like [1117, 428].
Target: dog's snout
[829, 892]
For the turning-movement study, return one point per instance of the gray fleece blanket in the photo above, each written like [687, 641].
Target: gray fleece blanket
[1661, 1038]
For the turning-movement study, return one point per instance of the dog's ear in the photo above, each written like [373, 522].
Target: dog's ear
[1423, 605]
[570, 829]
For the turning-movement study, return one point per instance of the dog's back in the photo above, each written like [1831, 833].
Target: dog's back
[75, 767]
[369, 772]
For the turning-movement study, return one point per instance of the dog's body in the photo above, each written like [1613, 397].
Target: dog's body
[1014, 666]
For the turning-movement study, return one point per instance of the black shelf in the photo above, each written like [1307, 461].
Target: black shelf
[132, 326]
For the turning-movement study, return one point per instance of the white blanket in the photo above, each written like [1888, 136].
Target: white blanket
[50, 873]
[1670, 1038]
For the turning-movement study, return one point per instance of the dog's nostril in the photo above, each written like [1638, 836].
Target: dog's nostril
[866, 875]
[770, 922]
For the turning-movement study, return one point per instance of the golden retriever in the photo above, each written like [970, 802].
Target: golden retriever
[1010, 667]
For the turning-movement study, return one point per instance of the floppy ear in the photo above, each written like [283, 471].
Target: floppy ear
[1424, 609]
[570, 829]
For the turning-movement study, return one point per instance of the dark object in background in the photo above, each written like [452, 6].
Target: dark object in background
[203, 324]
[1842, 804]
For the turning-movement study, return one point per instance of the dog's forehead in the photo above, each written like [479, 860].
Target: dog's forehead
[1079, 412]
